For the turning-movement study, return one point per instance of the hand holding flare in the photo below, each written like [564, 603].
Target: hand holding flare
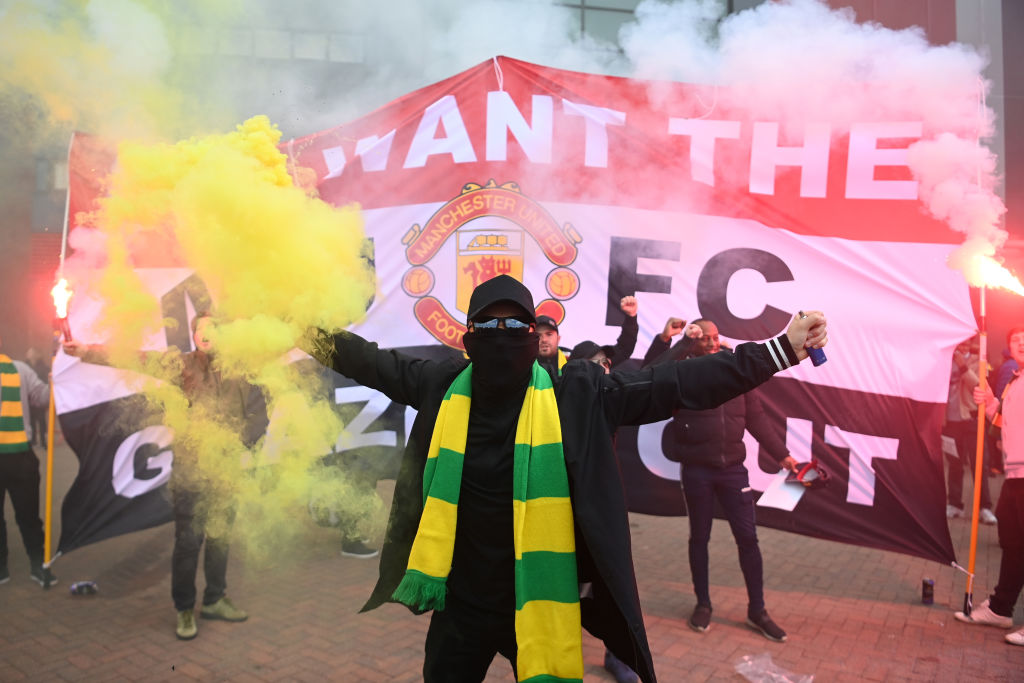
[61, 296]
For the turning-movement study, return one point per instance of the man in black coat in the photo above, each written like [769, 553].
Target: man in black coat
[709, 446]
[481, 597]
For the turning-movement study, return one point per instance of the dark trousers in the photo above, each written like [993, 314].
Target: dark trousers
[189, 533]
[965, 434]
[19, 476]
[731, 487]
[39, 425]
[1010, 513]
[461, 643]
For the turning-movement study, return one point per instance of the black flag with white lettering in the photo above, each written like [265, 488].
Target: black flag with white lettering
[885, 485]
[124, 463]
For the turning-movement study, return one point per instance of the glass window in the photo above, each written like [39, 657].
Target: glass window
[60, 175]
[604, 24]
[310, 45]
[613, 4]
[199, 40]
[271, 43]
[346, 47]
[236, 41]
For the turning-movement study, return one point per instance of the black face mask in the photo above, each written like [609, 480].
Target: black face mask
[502, 359]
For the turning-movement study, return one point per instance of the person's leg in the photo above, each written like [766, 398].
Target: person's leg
[732, 488]
[185, 556]
[4, 484]
[967, 446]
[38, 418]
[215, 569]
[955, 475]
[698, 490]
[460, 647]
[23, 486]
[1010, 513]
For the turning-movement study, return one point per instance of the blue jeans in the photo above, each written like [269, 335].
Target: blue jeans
[731, 486]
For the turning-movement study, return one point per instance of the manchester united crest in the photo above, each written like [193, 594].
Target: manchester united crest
[491, 225]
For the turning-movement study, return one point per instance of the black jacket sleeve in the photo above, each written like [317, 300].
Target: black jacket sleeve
[661, 353]
[654, 392]
[255, 410]
[762, 428]
[626, 342]
[401, 378]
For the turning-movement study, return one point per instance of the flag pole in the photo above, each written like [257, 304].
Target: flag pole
[51, 413]
[979, 456]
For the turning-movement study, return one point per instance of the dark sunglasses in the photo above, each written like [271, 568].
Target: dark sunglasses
[509, 323]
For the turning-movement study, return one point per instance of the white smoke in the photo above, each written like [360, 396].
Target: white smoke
[794, 61]
[134, 36]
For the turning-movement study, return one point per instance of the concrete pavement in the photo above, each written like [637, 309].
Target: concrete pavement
[852, 614]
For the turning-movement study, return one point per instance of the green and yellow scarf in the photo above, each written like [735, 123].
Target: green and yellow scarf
[12, 423]
[548, 631]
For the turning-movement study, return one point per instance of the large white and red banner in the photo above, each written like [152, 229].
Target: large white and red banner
[590, 188]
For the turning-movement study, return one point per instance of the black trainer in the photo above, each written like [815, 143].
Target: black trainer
[358, 549]
[763, 624]
[43, 576]
[700, 620]
[5, 575]
[619, 669]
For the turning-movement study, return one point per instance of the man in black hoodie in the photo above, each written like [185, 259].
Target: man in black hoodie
[709, 445]
[480, 593]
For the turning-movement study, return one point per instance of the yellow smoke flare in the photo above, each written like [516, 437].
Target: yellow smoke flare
[276, 261]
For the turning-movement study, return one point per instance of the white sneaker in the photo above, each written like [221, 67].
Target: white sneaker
[981, 614]
[986, 516]
[1015, 638]
[953, 512]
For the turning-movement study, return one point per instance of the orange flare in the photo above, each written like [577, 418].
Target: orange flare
[61, 295]
[986, 271]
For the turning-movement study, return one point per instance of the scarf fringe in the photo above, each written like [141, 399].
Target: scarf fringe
[421, 592]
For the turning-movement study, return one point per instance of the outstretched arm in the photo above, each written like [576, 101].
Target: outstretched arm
[708, 381]
[626, 342]
[660, 351]
[399, 377]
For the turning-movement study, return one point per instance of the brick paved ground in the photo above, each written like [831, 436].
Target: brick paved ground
[852, 614]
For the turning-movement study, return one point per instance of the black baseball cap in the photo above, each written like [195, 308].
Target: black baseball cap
[547, 320]
[501, 288]
[586, 350]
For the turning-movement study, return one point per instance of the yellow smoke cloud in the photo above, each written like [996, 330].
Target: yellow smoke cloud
[276, 261]
[102, 65]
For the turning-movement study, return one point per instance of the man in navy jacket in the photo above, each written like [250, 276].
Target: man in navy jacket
[709, 446]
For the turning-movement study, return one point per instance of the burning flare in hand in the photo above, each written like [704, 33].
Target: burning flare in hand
[985, 271]
[61, 294]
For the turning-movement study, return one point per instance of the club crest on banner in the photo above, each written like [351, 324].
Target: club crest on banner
[484, 250]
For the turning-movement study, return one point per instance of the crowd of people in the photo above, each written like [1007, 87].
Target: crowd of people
[527, 421]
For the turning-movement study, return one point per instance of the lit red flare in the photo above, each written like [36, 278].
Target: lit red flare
[990, 273]
[61, 296]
